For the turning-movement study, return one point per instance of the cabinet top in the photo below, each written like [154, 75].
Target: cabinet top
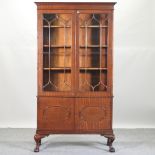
[75, 5]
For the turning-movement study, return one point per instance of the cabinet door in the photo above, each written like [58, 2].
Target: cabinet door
[56, 52]
[93, 114]
[56, 114]
[94, 51]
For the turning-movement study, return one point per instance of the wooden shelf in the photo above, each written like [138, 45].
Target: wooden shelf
[55, 26]
[83, 46]
[90, 68]
[93, 46]
[94, 26]
[57, 68]
[83, 53]
[58, 46]
[58, 53]
[81, 68]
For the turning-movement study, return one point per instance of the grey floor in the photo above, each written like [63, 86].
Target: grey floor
[128, 142]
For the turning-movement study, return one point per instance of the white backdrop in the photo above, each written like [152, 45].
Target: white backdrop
[134, 63]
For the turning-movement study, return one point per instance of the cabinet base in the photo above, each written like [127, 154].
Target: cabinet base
[110, 140]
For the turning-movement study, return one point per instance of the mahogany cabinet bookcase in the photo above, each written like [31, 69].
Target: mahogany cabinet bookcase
[74, 69]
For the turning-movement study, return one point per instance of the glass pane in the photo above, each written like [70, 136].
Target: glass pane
[57, 41]
[93, 32]
[90, 80]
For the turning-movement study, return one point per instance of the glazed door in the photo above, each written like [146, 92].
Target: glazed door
[56, 53]
[94, 52]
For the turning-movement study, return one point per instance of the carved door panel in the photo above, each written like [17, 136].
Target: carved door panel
[56, 114]
[92, 114]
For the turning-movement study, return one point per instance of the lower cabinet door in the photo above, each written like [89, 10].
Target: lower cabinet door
[93, 114]
[55, 114]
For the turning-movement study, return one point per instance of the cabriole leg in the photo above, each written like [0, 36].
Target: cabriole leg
[37, 139]
[110, 139]
[109, 143]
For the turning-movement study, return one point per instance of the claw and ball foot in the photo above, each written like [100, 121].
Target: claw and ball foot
[111, 149]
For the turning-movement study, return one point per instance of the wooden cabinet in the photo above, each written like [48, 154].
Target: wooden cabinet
[74, 69]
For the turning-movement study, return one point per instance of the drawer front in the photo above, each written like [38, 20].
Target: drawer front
[55, 114]
[93, 114]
